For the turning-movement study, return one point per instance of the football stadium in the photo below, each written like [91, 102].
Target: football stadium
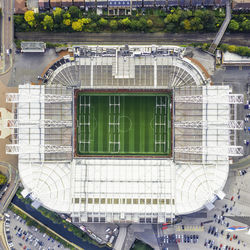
[124, 134]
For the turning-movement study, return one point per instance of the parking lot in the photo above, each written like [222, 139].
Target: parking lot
[21, 236]
[212, 231]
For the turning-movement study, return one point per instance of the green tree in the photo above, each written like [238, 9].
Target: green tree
[172, 18]
[196, 24]
[3, 179]
[171, 27]
[103, 22]
[29, 17]
[74, 11]
[142, 24]
[186, 24]
[134, 25]
[77, 25]
[57, 12]
[125, 22]
[48, 22]
[209, 20]
[246, 25]
[234, 25]
[66, 15]
[232, 48]
[113, 24]
[67, 22]
[204, 46]
[85, 21]
[149, 23]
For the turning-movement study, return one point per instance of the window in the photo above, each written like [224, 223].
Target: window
[161, 201]
[135, 201]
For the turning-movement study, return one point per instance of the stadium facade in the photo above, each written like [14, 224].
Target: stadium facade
[128, 189]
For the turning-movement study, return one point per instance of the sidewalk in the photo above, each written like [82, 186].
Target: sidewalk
[2, 235]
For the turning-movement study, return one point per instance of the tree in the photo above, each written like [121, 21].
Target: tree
[149, 23]
[234, 25]
[246, 25]
[224, 47]
[48, 22]
[171, 27]
[103, 22]
[204, 46]
[142, 24]
[74, 11]
[196, 24]
[125, 22]
[66, 15]
[134, 25]
[113, 24]
[57, 12]
[67, 22]
[208, 20]
[186, 24]
[85, 21]
[3, 179]
[77, 25]
[30, 17]
[172, 18]
[232, 48]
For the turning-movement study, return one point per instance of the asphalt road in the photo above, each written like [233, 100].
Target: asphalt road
[13, 184]
[7, 34]
[132, 38]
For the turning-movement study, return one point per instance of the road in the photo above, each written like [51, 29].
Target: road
[14, 182]
[242, 164]
[7, 35]
[133, 38]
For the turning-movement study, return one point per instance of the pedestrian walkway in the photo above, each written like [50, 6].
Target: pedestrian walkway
[2, 233]
[222, 29]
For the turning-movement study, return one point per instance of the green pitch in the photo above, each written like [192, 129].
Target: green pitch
[123, 124]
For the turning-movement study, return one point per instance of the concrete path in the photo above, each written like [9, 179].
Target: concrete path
[14, 183]
[222, 29]
[121, 237]
[244, 163]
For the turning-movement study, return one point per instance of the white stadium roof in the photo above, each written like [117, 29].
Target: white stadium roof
[126, 189]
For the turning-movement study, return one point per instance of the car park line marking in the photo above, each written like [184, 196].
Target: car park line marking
[190, 228]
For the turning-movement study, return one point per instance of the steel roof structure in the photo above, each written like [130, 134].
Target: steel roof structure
[148, 190]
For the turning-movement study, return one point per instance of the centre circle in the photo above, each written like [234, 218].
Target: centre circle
[125, 119]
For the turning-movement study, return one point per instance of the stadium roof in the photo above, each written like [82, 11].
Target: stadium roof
[126, 189]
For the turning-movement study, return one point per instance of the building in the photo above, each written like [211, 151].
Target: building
[20, 6]
[33, 47]
[241, 5]
[111, 188]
